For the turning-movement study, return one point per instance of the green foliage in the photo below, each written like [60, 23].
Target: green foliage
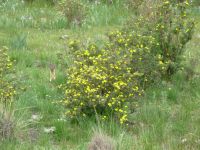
[74, 10]
[107, 80]
[6, 87]
[19, 41]
[168, 116]
[103, 1]
[167, 23]
[43, 1]
[16, 15]
[106, 15]
[196, 2]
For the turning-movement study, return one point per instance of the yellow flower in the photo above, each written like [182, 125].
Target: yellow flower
[160, 62]
[120, 110]
[186, 2]
[109, 104]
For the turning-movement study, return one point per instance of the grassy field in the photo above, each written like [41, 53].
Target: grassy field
[167, 116]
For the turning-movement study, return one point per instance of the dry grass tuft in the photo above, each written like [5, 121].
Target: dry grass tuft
[7, 125]
[101, 141]
[13, 126]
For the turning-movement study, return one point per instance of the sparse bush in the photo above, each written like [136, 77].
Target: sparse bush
[74, 10]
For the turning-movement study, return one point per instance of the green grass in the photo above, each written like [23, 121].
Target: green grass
[167, 117]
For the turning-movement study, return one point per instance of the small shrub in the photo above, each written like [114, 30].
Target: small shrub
[7, 90]
[106, 80]
[167, 23]
[74, 10]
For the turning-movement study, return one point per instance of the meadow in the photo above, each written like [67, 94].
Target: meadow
[37, 34]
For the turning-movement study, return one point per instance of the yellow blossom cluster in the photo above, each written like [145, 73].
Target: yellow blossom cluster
[6, 88]
[170, 27]
[107, 80]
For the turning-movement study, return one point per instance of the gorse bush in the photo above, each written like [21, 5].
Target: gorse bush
[108, 80]
[168, 24]
[143, 62]
[75, 11]
[101, 81]
[7, 90]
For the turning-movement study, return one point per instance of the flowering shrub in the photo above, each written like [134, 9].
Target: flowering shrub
[109, 79]
[100, 82]
[142, 61]
[167, 23]
[6, 88]
[74, 10]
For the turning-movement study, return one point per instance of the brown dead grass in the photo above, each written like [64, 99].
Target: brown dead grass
[101, 141]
